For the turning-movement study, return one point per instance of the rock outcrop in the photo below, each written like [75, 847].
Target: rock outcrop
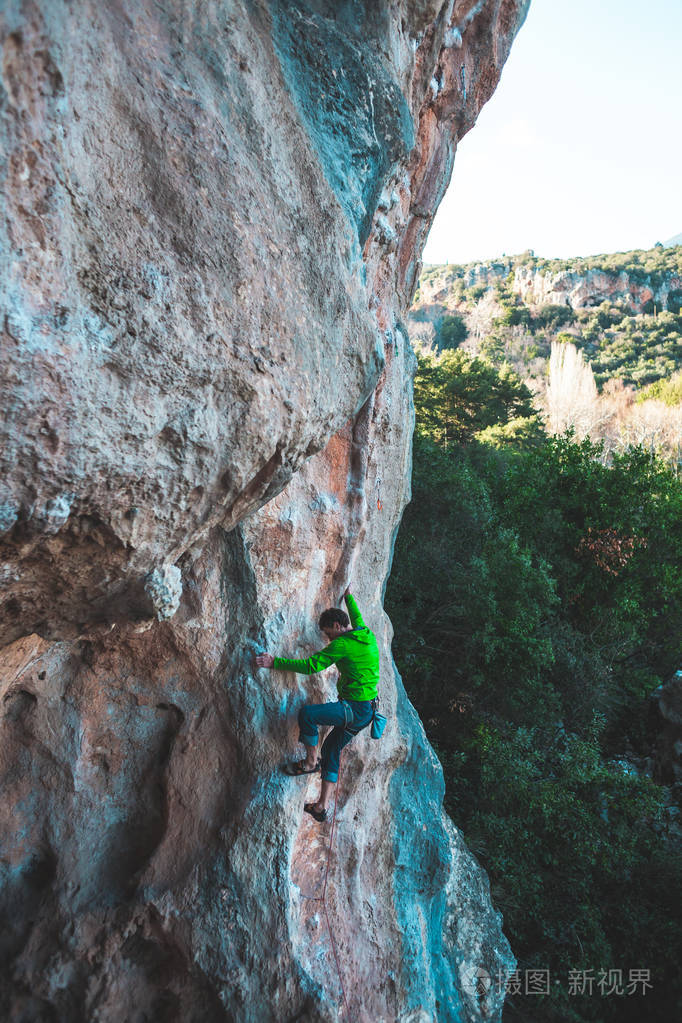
[536, 285]
[212, 221]
[592, 287]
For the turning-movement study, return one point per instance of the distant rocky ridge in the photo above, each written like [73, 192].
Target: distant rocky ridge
[580, 284]
[591, 288]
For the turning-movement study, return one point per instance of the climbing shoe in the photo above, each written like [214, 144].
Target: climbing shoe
[298, 767]
[319, 815]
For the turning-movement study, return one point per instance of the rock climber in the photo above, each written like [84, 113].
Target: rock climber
[353, 649]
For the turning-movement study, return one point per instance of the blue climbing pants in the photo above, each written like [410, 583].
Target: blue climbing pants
[314, 714]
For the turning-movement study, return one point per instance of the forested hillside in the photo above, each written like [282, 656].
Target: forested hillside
[617, 318]
[536, 595]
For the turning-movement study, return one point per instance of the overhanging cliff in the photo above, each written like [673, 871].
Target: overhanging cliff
[212, 222]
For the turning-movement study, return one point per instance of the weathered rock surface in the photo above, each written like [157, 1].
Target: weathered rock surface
[212, 221]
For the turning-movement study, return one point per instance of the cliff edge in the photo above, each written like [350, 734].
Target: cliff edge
[212, 218]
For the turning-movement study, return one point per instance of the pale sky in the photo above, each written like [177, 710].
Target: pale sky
[579, 151]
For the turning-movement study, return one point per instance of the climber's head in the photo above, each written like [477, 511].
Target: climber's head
[333, 622]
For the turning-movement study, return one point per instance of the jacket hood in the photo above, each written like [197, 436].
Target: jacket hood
[362, 634]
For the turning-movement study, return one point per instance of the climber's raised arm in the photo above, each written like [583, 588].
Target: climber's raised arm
[353, 610]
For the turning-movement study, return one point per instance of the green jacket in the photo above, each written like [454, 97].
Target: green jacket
[354, 653]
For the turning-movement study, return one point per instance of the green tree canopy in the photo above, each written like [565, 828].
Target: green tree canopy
[452, 331]
[536, 595]
[456, 396]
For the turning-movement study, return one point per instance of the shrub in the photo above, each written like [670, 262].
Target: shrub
[551, 317]
[668, 391]
[514, 316]
[452, 330]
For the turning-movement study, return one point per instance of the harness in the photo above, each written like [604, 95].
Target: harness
[348, 711]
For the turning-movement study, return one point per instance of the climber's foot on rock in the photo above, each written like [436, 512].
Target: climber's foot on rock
[316, 811]
[301, 767]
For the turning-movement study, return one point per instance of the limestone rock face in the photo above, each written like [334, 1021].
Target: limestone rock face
[212, 223]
